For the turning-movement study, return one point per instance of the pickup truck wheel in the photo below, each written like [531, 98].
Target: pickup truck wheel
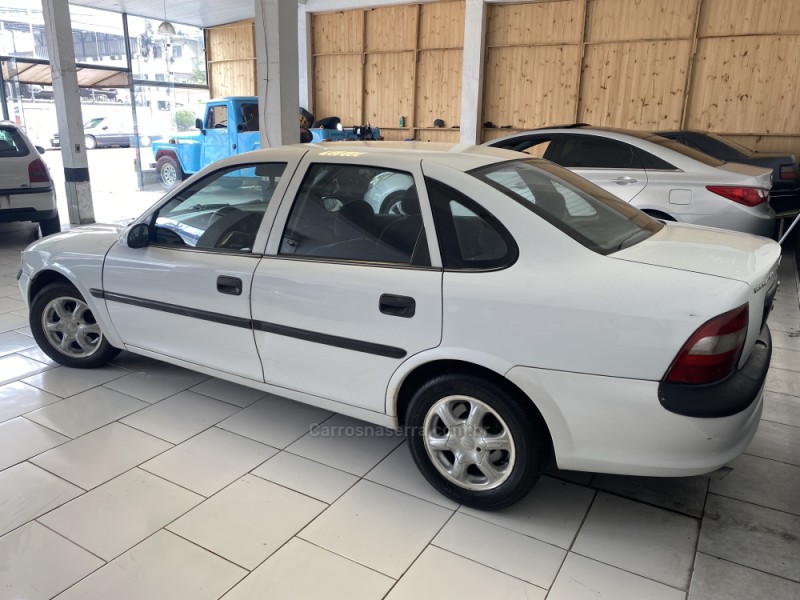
[90, 142]
[65, 328]
[475, 442]
[169, 172]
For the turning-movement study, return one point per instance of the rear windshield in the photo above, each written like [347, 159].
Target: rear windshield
[685, 150]
[595, 218]
[12, 143]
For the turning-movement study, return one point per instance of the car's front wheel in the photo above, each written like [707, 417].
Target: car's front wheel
[90, 142]
[475, 442]
[65, 328]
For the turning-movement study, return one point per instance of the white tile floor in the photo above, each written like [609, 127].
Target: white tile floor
[142, 480]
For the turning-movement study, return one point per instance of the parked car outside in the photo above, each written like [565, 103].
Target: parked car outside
[785, 193]
[659, 176]
[103, 132]
[515, 309]
[26, 189]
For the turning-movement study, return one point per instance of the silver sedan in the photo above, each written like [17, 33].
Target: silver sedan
[659, 176]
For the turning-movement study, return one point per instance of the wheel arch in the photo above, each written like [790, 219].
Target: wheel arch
[658, 214]
[54, 274]
[428, 370]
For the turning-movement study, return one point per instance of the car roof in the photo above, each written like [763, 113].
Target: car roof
[462, 157]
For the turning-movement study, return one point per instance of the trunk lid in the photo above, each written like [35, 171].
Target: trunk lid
[740, 256]
[751, 259]
[762, 177]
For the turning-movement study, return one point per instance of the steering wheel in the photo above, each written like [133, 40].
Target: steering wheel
[221, 212]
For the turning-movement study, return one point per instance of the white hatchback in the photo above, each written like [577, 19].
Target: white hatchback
[26, 189]
[510, 310]
[661, 177]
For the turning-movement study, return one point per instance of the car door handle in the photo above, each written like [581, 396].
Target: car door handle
[229, 285]
[625, 180]
[397, 306]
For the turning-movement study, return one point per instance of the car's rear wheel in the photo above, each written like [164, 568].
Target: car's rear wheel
[90, 142]
[169, 172]
[65, 328]
[475, 442]
[50, 226]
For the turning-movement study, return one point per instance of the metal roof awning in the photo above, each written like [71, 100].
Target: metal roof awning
[37, 71]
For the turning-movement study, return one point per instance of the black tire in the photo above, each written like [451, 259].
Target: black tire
[90, 142]
[657, 214]
[50, 226]
[392, 204]
[84, 345]
[506, 424]
[169, 172]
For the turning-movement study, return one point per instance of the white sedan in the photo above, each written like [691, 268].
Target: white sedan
[509, 310]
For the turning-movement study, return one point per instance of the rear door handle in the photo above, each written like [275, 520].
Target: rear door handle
[229, 285]
[625, 180]
[397, 306]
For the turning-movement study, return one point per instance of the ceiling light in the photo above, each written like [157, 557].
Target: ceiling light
[166, 28]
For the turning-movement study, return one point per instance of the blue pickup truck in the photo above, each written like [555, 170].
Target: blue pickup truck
[229, 127]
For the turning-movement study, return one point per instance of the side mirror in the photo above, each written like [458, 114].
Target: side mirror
[40, 149]
[138, 236]
[198, 124]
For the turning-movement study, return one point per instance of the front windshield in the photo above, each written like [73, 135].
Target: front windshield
[92, 123]
[598, 220]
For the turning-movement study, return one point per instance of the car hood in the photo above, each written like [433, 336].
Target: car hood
[762, 175]
[86, 239]
[732, 255]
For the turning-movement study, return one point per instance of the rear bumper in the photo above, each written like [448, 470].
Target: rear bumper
[724, 398]
[615, 425]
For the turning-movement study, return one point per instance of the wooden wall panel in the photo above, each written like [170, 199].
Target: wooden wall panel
[337, 33]
[231, 54]
[234, 78]
[768, 143]
[639, 85]
[438, 93]
[338, 87]
[391, 28]
[533, 86]
[534, 23]
[626, 20]
[389, 87]
[743, 17]
[396, 134]
[746, 85]
[442, 25]
[449, 136]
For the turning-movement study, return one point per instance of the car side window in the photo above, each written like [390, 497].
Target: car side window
[593, 152]
[653, 163]
[217, 117]
[222, 211]
[359, 213]
[533, 146]
[469, 237]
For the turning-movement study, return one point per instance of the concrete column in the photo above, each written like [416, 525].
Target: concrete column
[58, 31]
[304, 63]
[472, 73]
[277, 71]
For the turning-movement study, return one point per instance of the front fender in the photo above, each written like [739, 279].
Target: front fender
[81, 268]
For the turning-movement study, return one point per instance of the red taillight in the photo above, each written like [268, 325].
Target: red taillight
[749, 196]
[37, 172]
[789, 172]
[713, 350]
